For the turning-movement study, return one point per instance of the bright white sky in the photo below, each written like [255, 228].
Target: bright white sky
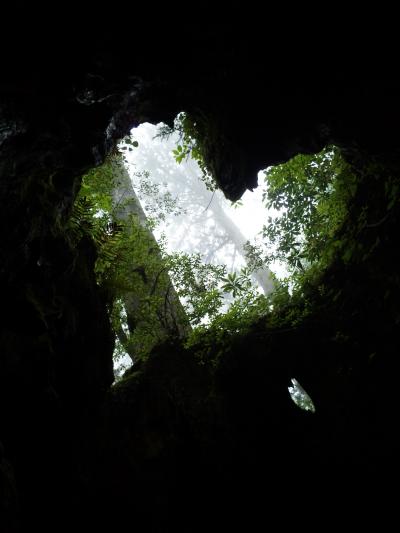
[155, 156]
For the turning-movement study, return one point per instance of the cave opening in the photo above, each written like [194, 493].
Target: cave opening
[205, 244]
[197, 259]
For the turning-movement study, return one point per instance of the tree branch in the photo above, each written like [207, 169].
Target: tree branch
[209, 203]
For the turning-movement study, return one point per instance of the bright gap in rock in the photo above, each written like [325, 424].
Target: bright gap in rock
[176, 260]
[300, 396]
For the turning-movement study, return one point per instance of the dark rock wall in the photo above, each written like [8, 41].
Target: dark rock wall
[66, 96]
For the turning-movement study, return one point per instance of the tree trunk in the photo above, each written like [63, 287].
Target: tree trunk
[153, 309]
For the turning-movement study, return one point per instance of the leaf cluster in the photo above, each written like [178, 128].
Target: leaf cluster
[310, 195]
[191, 145]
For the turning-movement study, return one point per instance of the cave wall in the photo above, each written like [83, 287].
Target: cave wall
[64, 102]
